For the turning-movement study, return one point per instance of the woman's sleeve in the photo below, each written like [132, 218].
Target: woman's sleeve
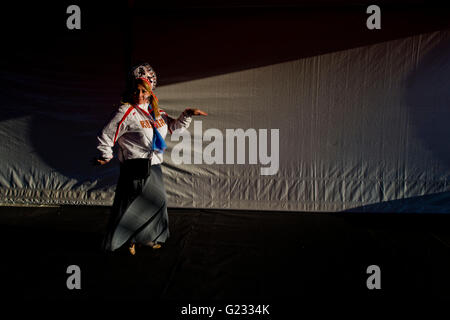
[111, 132]
[183, 121]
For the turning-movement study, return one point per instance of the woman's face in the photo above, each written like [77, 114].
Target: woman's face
[141, 95]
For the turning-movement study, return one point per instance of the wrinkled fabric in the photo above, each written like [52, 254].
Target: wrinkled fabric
[358, 128]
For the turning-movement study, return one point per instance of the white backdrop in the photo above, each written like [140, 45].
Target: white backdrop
[357, 127]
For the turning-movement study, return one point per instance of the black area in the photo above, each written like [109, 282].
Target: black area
[187, 40]
[224, 256]
[200, 41]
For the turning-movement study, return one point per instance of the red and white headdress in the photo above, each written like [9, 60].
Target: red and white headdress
[145, 72]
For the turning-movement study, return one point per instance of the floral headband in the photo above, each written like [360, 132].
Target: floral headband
[145, 72]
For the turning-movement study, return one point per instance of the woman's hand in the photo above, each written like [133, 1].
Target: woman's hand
[196, 112]
[99, 161]
[102, 162]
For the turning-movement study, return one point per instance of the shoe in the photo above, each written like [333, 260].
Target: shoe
[154, 245]
[132, 249]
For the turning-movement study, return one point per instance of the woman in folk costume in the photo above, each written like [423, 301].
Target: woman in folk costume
[139, 126]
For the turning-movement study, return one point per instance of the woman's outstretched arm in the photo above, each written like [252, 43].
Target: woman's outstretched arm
[183, 121]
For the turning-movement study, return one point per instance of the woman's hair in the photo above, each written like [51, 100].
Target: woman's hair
[129, 94]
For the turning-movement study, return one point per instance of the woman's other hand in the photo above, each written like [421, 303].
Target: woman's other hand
[99, 161]
[196, 112]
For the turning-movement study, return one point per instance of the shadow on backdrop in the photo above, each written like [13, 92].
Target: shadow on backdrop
[428, 100]
[430, 203]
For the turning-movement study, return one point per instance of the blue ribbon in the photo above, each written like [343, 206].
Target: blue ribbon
[158, 141]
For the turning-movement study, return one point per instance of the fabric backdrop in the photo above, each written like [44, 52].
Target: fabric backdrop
[359, 129]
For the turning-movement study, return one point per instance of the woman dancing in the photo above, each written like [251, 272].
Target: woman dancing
[139, 126]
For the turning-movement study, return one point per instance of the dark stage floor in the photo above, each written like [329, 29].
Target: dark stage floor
[233, 256]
